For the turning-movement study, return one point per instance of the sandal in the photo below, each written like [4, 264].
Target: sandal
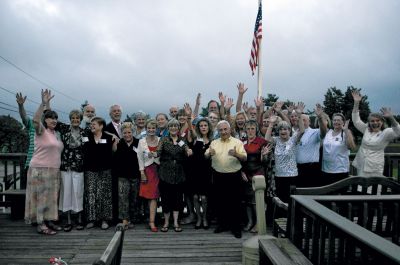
[67, 227]
[178, 229]
[46, 231]
[152, 227]
[79, 226]
[164, 229]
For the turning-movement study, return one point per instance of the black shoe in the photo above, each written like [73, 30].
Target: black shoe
[237, 234]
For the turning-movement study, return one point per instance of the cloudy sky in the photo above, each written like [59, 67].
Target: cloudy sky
[149, 55]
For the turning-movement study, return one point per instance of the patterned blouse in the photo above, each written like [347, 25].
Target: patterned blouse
[72, 155]
[285, 157]
[172, 157]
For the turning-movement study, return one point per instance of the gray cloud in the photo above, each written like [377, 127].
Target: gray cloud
[149, 55]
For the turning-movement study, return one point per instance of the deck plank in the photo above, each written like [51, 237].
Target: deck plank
[20, 244]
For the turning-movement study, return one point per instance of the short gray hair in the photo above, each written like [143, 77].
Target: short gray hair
[139, 114]
[173, 122]
[283, 124]
[223, 122]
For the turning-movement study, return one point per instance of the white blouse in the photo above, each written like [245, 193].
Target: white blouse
[142, 154]
[335, 155]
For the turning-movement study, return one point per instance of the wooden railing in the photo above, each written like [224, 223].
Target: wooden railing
[12, 174]
[346, 229]
[112, 254]
[391, 169]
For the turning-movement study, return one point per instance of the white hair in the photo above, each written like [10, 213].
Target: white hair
[223, 122]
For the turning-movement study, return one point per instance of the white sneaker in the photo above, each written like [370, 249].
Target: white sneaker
[90, 225]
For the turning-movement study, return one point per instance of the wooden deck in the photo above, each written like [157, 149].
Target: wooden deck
[20, 244]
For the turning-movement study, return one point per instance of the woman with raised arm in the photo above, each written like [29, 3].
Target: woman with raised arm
[148, 166]
[43, 179]
[336, 148]
[285, 153]
[370, 158]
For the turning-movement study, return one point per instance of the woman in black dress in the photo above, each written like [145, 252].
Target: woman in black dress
[201, 170]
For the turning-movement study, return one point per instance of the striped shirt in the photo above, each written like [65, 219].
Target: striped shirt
[308, 148]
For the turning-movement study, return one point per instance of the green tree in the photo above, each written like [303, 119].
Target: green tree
[270, 100]
[13, 138]
[334, 101]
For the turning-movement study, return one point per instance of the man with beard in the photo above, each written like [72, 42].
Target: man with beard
[88, 113]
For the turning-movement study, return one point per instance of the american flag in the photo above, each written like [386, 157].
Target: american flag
[256, 38]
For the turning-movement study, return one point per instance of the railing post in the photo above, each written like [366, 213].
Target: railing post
[250, 250]
[259, 186]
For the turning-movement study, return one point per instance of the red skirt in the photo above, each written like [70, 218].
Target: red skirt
[149, 190]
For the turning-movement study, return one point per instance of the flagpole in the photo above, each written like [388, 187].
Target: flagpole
[259, 72]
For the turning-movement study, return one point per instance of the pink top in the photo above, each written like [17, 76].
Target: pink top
[47, 151]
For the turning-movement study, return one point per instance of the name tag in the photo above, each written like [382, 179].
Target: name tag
[181, 143]
[103, 141]
[85, 139]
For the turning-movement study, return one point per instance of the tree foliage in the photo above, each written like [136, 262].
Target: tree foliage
[13, 138]
[270, 100]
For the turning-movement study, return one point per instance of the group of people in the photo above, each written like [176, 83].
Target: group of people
[202, 161]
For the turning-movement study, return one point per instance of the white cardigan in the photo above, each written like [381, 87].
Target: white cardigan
[142, 154]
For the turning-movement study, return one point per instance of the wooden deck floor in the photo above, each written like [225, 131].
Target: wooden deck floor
[20, 244]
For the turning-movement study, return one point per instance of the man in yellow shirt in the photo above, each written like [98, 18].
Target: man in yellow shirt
[226, 153]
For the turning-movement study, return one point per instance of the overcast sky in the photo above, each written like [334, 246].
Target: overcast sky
[149, 55]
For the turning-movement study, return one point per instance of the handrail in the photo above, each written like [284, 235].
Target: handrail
[307, 205]
[112, 254]
[17, 171]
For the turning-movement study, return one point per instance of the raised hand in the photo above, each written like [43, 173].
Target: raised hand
[221, 97]
[198, 99]
[356, 95]
[290, 108]
[278, 106]
[300, 107]
[245, 107]
[318, 109]
[20, 99]
[258, 102]
[46, 96]
[386, 112]
[188, 109]
[266, 149]
[272, 119]
[229, 103]
[346, 125]
[241, 88]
